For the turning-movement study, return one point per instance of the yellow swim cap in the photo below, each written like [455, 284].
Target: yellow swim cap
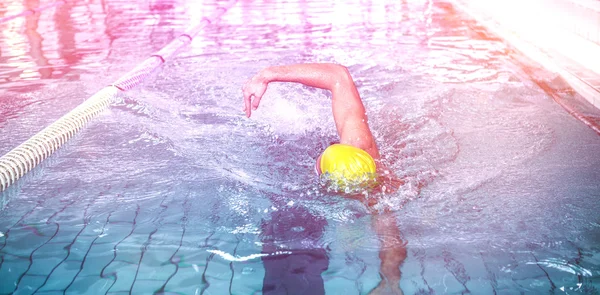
[346, 164]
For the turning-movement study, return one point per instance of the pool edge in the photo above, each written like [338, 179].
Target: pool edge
[580, 78]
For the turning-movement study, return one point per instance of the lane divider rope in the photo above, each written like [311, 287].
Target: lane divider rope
[25, 157]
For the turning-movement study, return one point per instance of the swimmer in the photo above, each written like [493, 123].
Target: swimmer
[356, 157]
[348, 110]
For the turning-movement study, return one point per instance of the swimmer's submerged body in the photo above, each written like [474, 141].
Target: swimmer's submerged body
[356, 159]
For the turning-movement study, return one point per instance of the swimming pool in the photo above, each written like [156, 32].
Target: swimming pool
[173, 190]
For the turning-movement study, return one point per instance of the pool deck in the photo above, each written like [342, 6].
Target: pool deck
[561, 35]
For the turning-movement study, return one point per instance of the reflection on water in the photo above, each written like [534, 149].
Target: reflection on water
[35, 41]
[52, 60]
[173, 185]
[81, 37]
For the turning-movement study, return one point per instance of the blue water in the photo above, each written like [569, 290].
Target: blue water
[173, 190]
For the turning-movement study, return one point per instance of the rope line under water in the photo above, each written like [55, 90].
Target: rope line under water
[22, 159]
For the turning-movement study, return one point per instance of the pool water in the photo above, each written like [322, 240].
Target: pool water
[174, 190]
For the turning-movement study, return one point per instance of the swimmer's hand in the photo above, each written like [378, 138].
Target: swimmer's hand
[253, 90]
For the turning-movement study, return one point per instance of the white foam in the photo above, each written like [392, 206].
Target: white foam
[237, 258]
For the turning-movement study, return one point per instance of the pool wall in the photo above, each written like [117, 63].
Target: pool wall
[561, 35]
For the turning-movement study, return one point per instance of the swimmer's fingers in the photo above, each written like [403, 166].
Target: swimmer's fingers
[256, 102]
[247, 99]
[259, 89]
[247, 106]
[253, 92]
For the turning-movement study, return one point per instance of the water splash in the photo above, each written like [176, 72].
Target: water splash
[565, 266]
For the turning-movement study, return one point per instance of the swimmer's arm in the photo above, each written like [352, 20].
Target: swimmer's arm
[392, 254]
[348, 110]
